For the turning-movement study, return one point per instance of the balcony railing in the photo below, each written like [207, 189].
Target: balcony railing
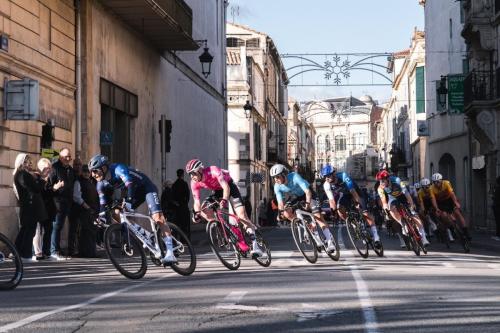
[481, 86]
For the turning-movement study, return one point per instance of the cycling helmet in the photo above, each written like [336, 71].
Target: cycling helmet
[437, 177]
[327, 170]
[417, 185]
[425, 182]
[97, 162]
[277, 170]
[194, 165]
[382, 175]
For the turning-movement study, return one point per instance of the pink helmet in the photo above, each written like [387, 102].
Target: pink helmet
[194, 165]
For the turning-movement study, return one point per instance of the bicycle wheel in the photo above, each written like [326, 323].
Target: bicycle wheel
[413, 238]
[380, 250]
[125, 251]
[11, 265]
[304, 240]
[356, 237]
[223, 247]
[461, 237]
[183, 251]
[264, 260]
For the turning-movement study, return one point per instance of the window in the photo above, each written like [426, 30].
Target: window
[340, 143]
[420, 89]
[465, 65]
[254, 42]
[451, 28]
[465, 179]
[358, 141]
[320, 148]
[328, 146]
[257, 141]
[234, 42]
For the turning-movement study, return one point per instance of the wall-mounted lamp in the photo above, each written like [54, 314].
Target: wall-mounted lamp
[206, 59]
[248, 109]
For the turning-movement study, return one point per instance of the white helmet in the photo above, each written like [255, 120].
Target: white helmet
[425, 182]
[417, 185]
[277, 170]
[437, 177]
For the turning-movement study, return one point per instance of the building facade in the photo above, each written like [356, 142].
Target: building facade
[448, 150]
[106, 80]
[256, 130]
[482, 103]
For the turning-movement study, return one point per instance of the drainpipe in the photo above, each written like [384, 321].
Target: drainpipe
[78, 70]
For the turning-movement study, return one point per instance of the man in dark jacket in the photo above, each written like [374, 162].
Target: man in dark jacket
[496, 208]
[180, 194]
[63, 198]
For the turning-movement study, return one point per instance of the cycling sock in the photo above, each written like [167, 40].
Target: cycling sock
[251, 234]
[327, 233]
[375, 233]
[168, 242]
[450, 236]
[422, 233]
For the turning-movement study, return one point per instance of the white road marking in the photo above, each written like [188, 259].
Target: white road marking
[364, 296]
[494, 266]
[310, 312]
[36, 317]
[230, 303]
[448, 265]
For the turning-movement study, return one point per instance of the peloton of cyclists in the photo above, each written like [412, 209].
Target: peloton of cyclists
[340, 183]
[290, 186]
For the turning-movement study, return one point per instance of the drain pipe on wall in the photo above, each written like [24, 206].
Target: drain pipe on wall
[78, 72]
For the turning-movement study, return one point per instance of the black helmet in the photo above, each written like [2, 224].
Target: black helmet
[97, 162]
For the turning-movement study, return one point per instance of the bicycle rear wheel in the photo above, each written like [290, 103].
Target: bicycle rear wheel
[222, 246]
[11, 265]
[462, 238]
[125, 251]
[413, 238]
[356, 237]
[304, 240]
[264, 260]
[183, 251]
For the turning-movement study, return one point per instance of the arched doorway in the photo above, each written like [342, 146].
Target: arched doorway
[447, 167]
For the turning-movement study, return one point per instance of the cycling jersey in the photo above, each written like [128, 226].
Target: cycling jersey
[296, 185]
[395, 188]
[444, 192]
[139, 187]
[425, 196]
[211, 179]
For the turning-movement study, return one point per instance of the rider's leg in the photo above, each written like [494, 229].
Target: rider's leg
[323, 225]
[156, 213]
[460, 218]
[373, 227]
[396, 217]
[421, 230]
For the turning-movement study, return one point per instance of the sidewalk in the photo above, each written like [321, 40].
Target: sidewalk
[483, 240]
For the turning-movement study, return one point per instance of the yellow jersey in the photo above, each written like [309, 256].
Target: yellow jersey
[425, 195]
[444, 192]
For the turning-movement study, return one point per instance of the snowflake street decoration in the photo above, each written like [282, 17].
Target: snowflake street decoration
[337, 69]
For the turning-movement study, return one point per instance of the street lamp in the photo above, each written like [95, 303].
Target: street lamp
[442, 92]
[297, 161]
[248, 110]
[206, 59]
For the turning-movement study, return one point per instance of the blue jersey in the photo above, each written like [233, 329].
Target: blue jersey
[343, 183]
[395, 189]
[296, 185]
[121, 176]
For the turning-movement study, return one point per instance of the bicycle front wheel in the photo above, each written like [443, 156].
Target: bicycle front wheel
[11, 265]
[125, 251]
[222, 246]
[461, 238]
[264, 260]
[356, 237]
[183, 251]
[304, 240]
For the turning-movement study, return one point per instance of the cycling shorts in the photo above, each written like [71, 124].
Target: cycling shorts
[447, 205]
[234, 195]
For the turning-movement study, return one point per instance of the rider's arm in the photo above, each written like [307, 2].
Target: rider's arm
[382, 197]
[122, 172]
[226, 190]
[101, 191]
[455, 199]
[196, 205]
[329, 194]
[409, 199]
[308, 193]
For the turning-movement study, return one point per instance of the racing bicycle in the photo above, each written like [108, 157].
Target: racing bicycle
[11, 265]
[359, 233]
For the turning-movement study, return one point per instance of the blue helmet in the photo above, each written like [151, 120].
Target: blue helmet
[97, 162]
[327, 170]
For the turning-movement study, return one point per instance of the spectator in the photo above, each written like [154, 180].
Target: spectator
[167, 201]
[272, 212]
[63, 198]
[496, 208]
[180, 193]
[87, 202]
[76, 212]
[262, 213]
[41, 242]
[27, 187]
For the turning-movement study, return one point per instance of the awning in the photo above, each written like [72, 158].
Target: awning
[167, 24]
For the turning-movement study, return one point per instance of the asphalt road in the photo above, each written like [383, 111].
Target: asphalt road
[444, 291]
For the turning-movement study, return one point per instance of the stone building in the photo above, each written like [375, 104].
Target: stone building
[107, 72]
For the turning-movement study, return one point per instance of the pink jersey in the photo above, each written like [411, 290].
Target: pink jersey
[212, 176]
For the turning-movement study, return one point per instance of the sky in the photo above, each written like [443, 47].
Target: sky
[332, 26]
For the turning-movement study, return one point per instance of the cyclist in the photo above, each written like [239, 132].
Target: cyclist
[427, 202]
[292, 186]
[446, 204]
[397, 192]
[219, 181]
[348, 190]
[140, 188]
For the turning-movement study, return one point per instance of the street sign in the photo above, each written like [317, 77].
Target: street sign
[106, 138]
[456, 93]
[49, 153]
[422, 128]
